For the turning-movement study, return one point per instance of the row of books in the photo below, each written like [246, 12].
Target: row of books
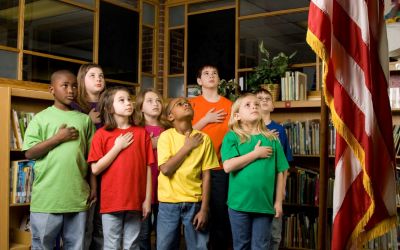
[396, 138]
[21, 179]
[19, 123]
[387, 241]
[294, 86]
[299, 231]
[304, 138]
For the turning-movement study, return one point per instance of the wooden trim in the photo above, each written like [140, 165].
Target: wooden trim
[166, 52]
[34, 53]
[96, 31]
[148, 74]
[122, 5]
[273, 13]
[34, 94]
[121, 82]
[77, 4]
[302, 65]
[176, 27]
[140, 59]
[237, 42]
[6, 48]
[20, 42]
[246, 70]
[5, 103]
[211, 10]
[148, 26]
[185, 51]
[156, 34]
[175, 75]
[5, 82]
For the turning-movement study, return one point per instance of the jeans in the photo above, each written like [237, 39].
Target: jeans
[220, 229]
[46, 227]
[170, 217]
[121, 229]
[94, 228]
[276, 233]
[147, 227]
[250, 231]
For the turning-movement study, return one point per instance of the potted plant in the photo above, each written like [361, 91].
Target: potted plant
[269, 72]
[229, 89]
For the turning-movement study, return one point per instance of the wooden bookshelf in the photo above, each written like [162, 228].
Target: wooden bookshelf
[22, 96]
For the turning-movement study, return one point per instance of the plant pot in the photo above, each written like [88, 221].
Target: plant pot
[273, 88]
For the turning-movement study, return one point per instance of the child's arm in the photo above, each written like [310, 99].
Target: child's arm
[242, 161]
[147, 201]
[93, 188]
[211, 117]
[279, 195]
[173, 163]
[63, 134]
[201, 218]
[120, 143]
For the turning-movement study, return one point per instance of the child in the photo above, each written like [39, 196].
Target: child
[185, 157]
[90, 86]
[211, 117]
[254, 157]
[148, 114]
[267, 106]
[122, 153]
[59, 138]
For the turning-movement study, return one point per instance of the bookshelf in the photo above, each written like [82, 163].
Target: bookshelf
[21, 96]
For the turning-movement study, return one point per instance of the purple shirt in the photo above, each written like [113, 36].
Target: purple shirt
[92, 105]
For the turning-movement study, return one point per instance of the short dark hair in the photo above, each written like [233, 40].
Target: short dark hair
[206, 66]
[57, 73]
[262, 90]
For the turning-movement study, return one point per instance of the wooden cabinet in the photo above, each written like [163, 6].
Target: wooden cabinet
[21, 96]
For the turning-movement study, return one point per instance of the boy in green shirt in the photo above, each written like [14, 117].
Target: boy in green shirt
[58, 139]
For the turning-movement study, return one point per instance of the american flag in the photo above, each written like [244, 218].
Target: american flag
[350, 38]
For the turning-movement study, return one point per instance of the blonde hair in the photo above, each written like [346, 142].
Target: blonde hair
[82, 94]
[236, 127]
[106, 107]
[139, 116]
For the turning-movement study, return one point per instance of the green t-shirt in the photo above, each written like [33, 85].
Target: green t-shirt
[252, 188]
[60, 184]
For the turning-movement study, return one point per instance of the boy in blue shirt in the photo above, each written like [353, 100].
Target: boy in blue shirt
[58, 139]
[266, 107]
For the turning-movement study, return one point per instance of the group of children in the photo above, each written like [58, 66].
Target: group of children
[109, 171]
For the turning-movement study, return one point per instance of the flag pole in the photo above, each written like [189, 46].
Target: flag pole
[323, 174]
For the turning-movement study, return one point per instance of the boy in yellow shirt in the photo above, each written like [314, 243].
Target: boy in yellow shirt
[185, 157]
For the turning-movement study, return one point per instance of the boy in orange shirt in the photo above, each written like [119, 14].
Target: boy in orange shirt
[211, 115]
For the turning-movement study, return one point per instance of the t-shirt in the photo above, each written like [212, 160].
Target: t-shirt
[216, 131]
[156, 130]
[92, 105]
[60, 184]
[252, 188]
[282, 138]
[123, 183]
[185, 185]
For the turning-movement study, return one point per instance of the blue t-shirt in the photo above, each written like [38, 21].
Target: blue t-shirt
[282, 138]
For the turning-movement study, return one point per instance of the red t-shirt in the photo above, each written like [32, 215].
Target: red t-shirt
[123, 183]
[216, 131]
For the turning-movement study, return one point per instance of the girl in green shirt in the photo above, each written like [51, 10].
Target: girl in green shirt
[254, 158]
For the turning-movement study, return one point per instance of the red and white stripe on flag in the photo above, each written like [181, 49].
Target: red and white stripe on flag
[350, 37]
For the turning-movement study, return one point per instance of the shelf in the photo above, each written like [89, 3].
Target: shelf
[311, 156]
[19, 204]
[298, 104]
[18, 246]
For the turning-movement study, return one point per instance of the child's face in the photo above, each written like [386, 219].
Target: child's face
[180, 109]
[209, 78]
[94, 81]
[151, 105]
[249, 110]
[64, 89]
[266, 104]
[122, 104]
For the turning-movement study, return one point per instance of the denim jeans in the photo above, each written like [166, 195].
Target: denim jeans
[276, 233]
[170, 216]
[147, 227]
[121, 229]
[46, 227]
[220, 229]
[250, 231]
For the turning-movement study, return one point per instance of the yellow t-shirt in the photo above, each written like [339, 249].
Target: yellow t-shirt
[185, 185]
